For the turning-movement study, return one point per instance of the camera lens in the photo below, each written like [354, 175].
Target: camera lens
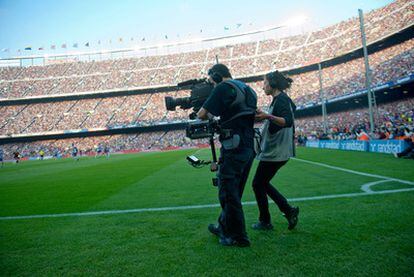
[170, 103]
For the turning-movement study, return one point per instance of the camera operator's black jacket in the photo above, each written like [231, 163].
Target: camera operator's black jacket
[219, 104]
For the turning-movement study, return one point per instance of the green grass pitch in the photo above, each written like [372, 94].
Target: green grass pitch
[368, 235]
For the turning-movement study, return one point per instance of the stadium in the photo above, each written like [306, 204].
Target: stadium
[141, 209]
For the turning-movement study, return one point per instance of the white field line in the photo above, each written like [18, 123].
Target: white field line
[365, 188]
[356, 172]
[110, 212]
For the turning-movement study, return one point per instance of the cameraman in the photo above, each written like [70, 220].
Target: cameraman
[276, 147]
[236, 104]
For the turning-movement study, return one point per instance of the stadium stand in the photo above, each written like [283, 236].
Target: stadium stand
[395, 121]
[117, 143]
[390, 64]
[245, 60]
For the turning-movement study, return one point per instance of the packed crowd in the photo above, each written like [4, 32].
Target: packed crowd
[243, 59]
[386, 65]
[76, 114]
[392, 120]
[145, 109]
[116, 143]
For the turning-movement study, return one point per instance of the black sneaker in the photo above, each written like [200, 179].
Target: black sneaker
[262, 226]
[215, 230]
[292, 217]
[225, 241]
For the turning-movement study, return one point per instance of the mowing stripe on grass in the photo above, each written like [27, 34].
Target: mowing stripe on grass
[111, 212]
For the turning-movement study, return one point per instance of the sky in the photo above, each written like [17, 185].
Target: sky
[42, 23]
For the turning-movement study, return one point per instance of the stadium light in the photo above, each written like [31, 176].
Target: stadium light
[296, 21]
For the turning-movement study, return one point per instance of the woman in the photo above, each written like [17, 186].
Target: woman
[276, 147]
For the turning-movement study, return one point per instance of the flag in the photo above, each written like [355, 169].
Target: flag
[64, 45]
[41, 48]
[226, 28]
[75, 45]
[53, 47]
[238, 25]
[87, 44]
[28, 48]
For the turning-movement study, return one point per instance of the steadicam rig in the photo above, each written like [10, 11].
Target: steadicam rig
[196, 162]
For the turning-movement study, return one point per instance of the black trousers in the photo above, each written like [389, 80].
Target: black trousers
[407, 151]
[263, 188]
[234, 169]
